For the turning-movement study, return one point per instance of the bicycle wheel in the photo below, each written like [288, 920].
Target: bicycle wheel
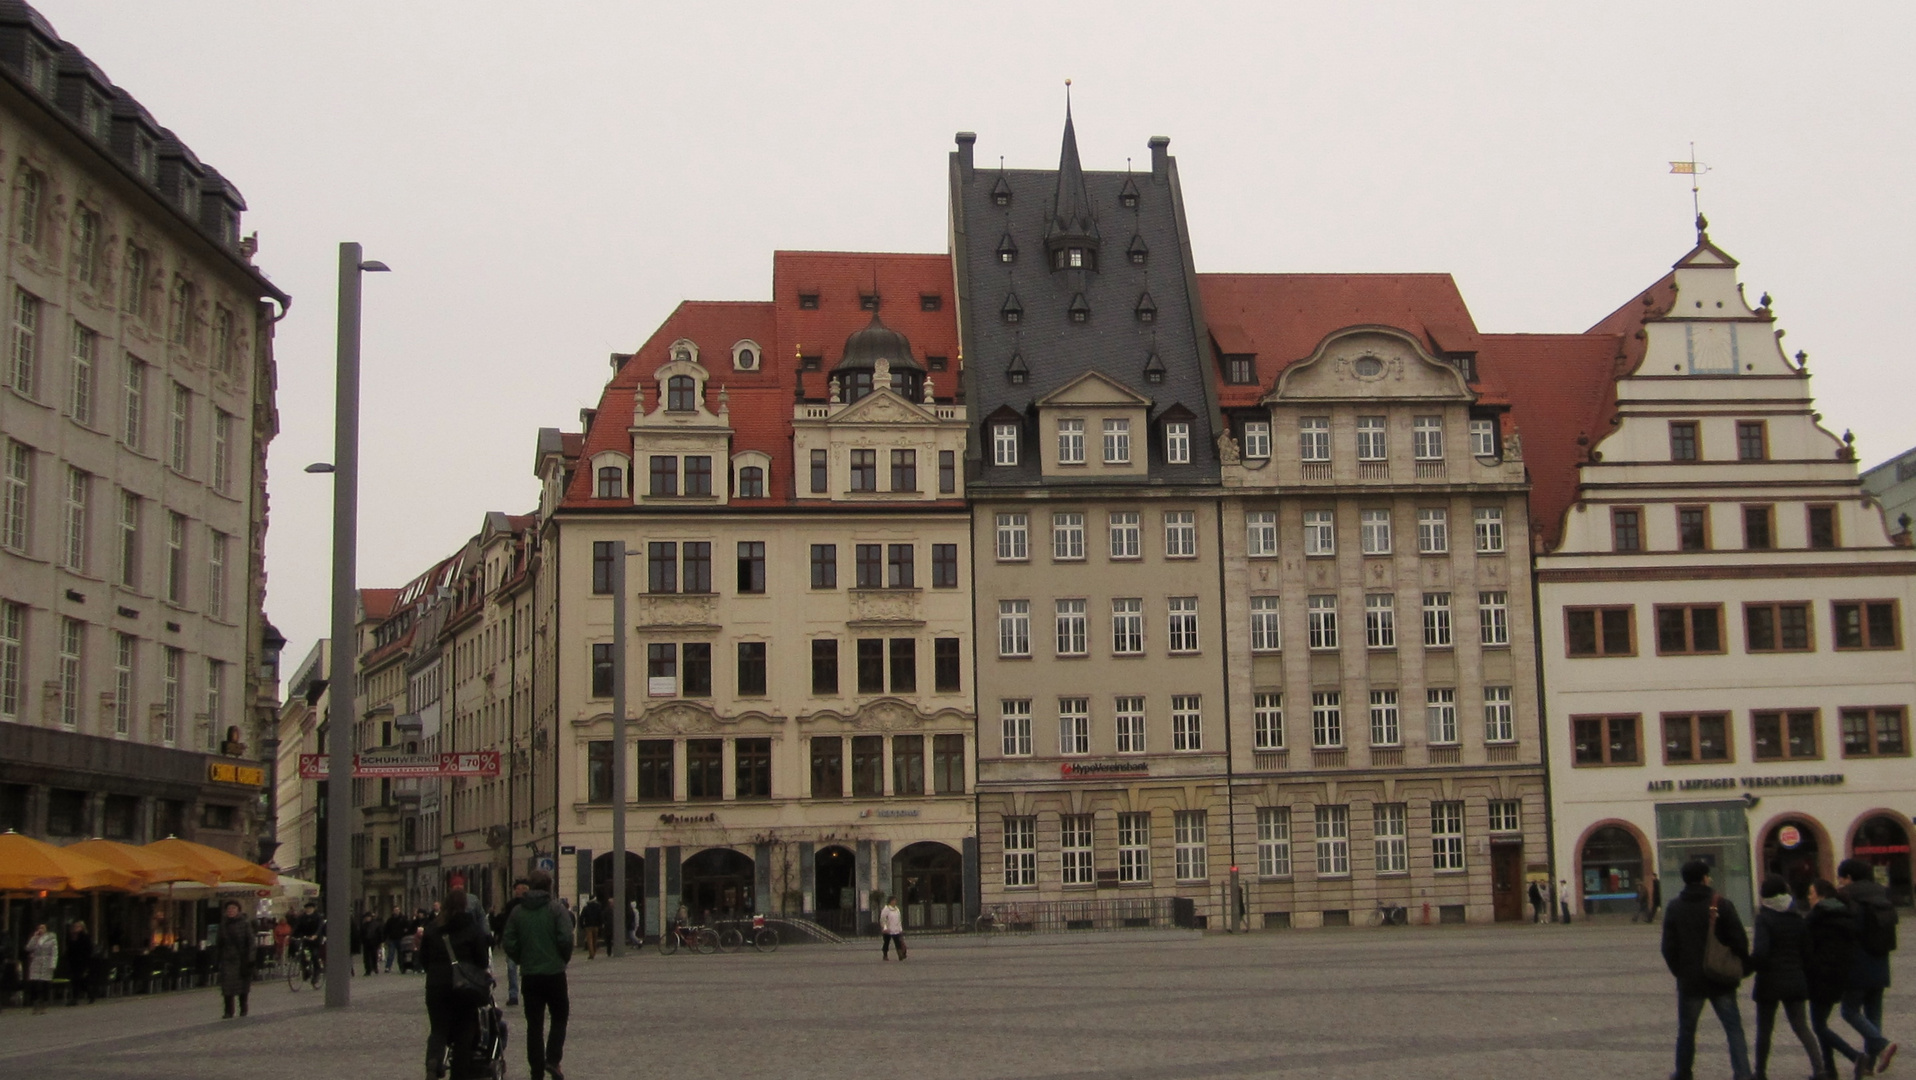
[668, 942]
[707, 941]
[319, 971]
[987, 923]
[731, 940]
[766, 940]
[293, 977]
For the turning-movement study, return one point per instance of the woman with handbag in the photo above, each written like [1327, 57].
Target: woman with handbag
[456, 952]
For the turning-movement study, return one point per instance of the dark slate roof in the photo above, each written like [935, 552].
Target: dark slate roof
[1112, 341]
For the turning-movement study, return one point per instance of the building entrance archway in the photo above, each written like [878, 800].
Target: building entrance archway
[718, 881]
[1793, 850]
[928, 878]
[1612, 866]
[835, 889]
[634, 883]
[1883, 842]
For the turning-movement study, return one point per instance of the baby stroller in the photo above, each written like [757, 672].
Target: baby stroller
[488, 1058]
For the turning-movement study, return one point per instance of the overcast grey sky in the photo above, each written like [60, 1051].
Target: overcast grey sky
[548, 180]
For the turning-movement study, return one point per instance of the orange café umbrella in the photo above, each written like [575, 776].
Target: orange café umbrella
[29, 865]
[151, 867]
[211, 865]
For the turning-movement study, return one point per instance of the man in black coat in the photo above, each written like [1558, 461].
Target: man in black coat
[396, 929]
[519, 888]
[1686, 927]
[1869, 974]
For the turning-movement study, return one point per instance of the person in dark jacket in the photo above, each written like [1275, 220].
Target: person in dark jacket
[372, 933]
[591, 917]
[396, 929]
[79, 961]
[1778, 957]
[519, 888]
[1831, 932]
[1686, 926]
[235, 953]
[1536, 902]
[456, 932]
[1869, 973]
[539, 939]
[1656, 896]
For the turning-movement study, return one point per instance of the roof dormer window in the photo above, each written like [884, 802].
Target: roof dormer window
[1007, 250]
[681, 394]
[96, 115]
[930, 302]
[1074, 258]
[1014, 308]
[1001, 192]
[868, 301]
[40, 72]
[146, 158]
[1128, 195]
[1137, 251]
[1147, 308]
[1153, 369]
[808, 301]
[1016, 372]
[1080, 310]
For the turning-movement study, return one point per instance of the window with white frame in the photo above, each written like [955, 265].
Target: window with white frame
[1071, 627]
[1436, 620]
[1327, 719]
[133, 397]
[1260, 533]
[1380, 621]
[1127, 541]
[1506, 815]
[1384, 727]
[1446, 836]
[19, 496]
[1493, 617]
[1500, 724]
[1373, 531]
[1333, 841]
[1265, 633]
[1257, 439]
[125, 647]
[175, 558]
[216, 548]
[1014, 628]
[1074, 726]
[1188, 835]
[80, 374]
[1483, 438]
[1187, 722]
[1427, 438]
[1273, 841]
[1014, 540]
[1183, 620]
[1067, 537]
[1267, 720]
[129, 534]
[222, 451]
[1074, 844]
[23, 369]
[215, 704]
[1440, 715]
[1320, 532]
[1392, 835]
[1071, 442]
[180, 433]
[1004, 444]
[1134, 847]
[1488, 522]
[1015, 723]
[1433, 531]
[1117, 442]
[172, 660]
[1321, 621]
[1127, 625]
[72, 648]
[1370, 438]
[74, 519]
[1021, 852]
[1180, 534]
[1177, 443]
[1314, 438]
[1130, 724]
[13, 633]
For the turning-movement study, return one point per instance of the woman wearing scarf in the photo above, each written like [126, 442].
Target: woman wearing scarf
[1782, 977]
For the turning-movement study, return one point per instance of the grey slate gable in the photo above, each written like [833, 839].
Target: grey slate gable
[1056, 350]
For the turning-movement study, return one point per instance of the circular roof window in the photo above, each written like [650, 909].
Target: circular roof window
[1368, 367]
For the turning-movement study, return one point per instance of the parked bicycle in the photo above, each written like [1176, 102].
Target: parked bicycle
[702, 939]
[995, 918]
[763, 938]
[1388, 914]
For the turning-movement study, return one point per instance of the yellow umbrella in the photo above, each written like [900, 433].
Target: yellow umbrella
[151, 867]
[211, 865]
[29, 865]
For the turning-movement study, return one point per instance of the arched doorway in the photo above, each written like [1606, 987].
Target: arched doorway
[634, 883]
[834, 889]
[1792, 851]
[929, 881]
[718, 881]
[1612, 865]
[1883, 842]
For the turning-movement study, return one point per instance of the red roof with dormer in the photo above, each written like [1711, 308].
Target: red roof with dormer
[1562, 392]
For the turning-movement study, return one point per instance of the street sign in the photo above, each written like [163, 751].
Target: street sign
[401, 766]
[548, 864]
[480, 763]
[312, 766]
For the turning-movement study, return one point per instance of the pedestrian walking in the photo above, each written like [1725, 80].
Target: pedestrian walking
[1779, 956]
[1643, 901]
[396, 930]
[1831, 930]
[1869, 973]
[539, 939]
[499, 931]
[1536, 903]
[43, 959]
[282, 932]
[79, 960]
[591, 916]
[235, 954]
[1563, 898]
[633, 936]
[456, 935]
[372, 934]
[1697, 917]
[891, 924]
[1656, 896]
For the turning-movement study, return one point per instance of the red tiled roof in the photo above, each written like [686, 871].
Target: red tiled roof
[1653, 302]
[378, 603]
[1560, 386]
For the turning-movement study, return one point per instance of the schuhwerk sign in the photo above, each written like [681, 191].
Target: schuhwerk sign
[404, 766]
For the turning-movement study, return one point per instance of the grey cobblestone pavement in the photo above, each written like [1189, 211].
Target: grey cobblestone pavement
[1488, 1003]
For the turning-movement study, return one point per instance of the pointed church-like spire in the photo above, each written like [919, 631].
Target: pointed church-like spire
[1073, 223]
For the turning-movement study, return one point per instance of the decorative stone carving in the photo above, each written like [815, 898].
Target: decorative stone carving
[1513, 446]
[837, 398]
[1227, 450]
[881, 373]
[885, 606]
[677, 610]
[928, 398]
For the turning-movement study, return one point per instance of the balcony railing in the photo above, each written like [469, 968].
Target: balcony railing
[1373, 470]
[1331, 758]
[1058, 916]
[1431, 470]
[1271, 759]
[1387, 755]
[1446, 755]
[1317, 470]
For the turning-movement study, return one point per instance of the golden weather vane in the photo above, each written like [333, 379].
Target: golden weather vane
[1693, 169]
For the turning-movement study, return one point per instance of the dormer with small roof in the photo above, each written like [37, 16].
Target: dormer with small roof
[681, 433]
[1094, 428]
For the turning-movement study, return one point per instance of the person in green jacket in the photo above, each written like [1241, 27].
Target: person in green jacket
[538, 938]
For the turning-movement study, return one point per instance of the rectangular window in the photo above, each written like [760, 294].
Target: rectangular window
[601, 567]
[821, 473]
[1071, 626]
[1604, 740]
[1267, 721]
[696, 569]
[1021, 852]
[1238, 370]
[1683, 446]
[80, 375]
[1489, 527]
[1014, 720]
[1067, 537]
[1600, 631]
[824, 566]
[1874, 733]
[1314, 438]
[1433, 531]
[1004, 444]
[1446, 836]
[13, 633]
[1134, 848]
[175, 558]
[1071, 442]
[172, 661]
[1373, 531]
[751, 669]
[948, 764]
[944, 566]
[1626, 530]
[222, 451]
[1273, 841]
[1777, 628]
[752, 768]
[1187, 722]
[1693, 528]
[1333, 841]
[662, 566]
[1866, 624]
[946, 665]
[24, 370]
[1694, 737]
[1506, 815]
[1127, 625]
[751, 566]
[1074, 726]
[1437, 620]
[901, 571]
[1180, 535]
[655, 770]
[698, 475]
[1257, 439]
[86, 224]
[222, 339]
[1189, 845]
[1483, 438]
[704, 769]
[1074, 843]
[1014, 541]
[1780, 736]
[74, 520]
[1370, 438]
[1752, 440]
[864, 475]
[216, 548]
[1391, 835]
[1327, 719]
[598, 771]
[1500, 724]
[902, 662]
[1126, 535]
[72, 688]
[871, 665]
[1427, 438]
[134, 281]
[1822, 526]
[1117, 442]
[1260, 533]
[125, 648]
[1686, 629]
[1320, 533]
[1177, 443]
[133, 397]
[1385, 726]
[695, 679]
[1321, 622]
[868, 564]
[828, 767]
[1266, 635]
[1014, 628]
[904, 470]
[1380, 621]
[1759, 533]
[825, 666]
[1493, 618]
[1183, 623]
[180, 437]
[661, 669]
[1440, 716]
[1130, 724]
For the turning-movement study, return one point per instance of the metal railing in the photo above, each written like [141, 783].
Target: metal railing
[1062, 916]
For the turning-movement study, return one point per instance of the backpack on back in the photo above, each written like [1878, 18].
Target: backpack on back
[1876, 928]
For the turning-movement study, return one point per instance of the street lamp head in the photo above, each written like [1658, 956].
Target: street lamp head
[374, 266]
[320, 467]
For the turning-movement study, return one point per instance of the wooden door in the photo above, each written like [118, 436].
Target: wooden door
[1506, 882]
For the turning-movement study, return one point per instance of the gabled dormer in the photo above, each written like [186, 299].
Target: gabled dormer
[681, 437]
[1093, 428]
[881, 436]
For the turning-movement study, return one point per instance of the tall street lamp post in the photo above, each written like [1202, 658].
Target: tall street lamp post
[617, 946]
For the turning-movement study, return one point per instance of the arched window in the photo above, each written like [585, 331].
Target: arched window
[751, 482]
[611, 482]
[681, 394]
